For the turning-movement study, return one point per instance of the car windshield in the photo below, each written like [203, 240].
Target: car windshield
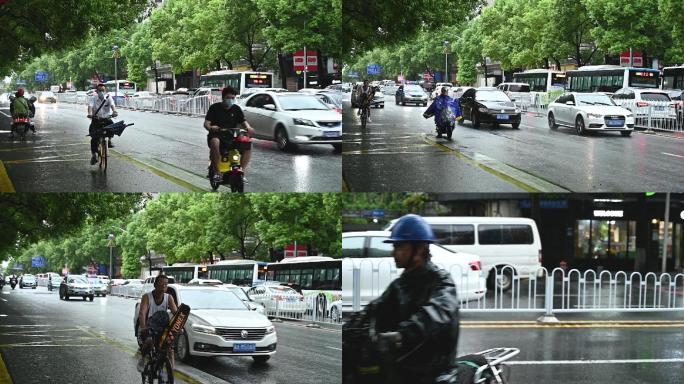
[211, 299]
[519, 88]
[413, 88]
[655, 96]
[595, 99]
[78, 279]
[302, 103]
[240, 293]
[491, 96]
[93, 280]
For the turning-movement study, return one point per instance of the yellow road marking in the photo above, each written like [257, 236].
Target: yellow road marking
[158, 172]
[4, 374]
[5, 182]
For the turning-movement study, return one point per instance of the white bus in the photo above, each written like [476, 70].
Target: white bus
[240, 80]
[610, 78]
[119, 89]
[673, 78]
[544, 84]
[246, 273]
[318, 277]
[184, 272]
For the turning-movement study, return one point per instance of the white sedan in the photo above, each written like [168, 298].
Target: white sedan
[293, 118]
[279, 300]
[590, 112]
[220, 324]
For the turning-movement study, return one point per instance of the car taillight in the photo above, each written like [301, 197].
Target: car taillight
[475, 266]
[642, 104]
[277, 298]
[338, 110]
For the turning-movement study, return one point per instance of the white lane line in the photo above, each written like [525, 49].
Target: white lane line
[10, 116]
[337, 349]
[576, 362]
[672, 154]
[5, 300]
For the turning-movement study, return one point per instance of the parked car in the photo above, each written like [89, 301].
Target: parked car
[590, 112]
[142, 94]
[278, 298]
[148, 284]
[76, 285]
[204, 282]
[292, 118]
[132, 288]
[99, 288]
[53, 281]
[47, 97]
[458, 92]
[489, 105]
[4, 100]
[329, 101]
[519, 93]
[438, 89]
[28, 281]
[412, 94]
[239, 292]
[220, 324]
[644, 101]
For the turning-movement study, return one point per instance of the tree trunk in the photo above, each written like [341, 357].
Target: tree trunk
[283, 73]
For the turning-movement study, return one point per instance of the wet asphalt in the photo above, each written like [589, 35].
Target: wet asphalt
[398, 151]
[159, 153]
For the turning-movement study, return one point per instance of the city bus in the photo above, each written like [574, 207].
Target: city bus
[317, 276]
[610, 78]
[245, 273]
[240, 80]
[673, 78]
[184, 272]
[120, 88]
[545, 84]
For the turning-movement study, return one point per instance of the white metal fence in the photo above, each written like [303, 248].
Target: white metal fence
[127, 290]
[314, 309]
[549, 292]
[168, 104]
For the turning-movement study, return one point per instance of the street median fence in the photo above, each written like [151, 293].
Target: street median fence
[542, 291]
[126, 291]
[166, 104]
[314, 309]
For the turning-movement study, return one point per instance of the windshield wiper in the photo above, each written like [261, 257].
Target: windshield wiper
[599, 103]
[588, 102]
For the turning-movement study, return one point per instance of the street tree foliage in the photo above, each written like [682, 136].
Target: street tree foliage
[382, 23]
[184, 227]
[29, 29]
[27, 218]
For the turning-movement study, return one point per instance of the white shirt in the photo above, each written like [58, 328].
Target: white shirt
[106, 109]
[154, 308]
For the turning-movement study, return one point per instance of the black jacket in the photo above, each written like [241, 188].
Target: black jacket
[422, 305]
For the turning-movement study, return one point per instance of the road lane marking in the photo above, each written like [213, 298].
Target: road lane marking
[573, 362]
[672, 154]
[5, 300]
[161, 173]
[335, 348]
[515, 176]
[10, 116]
[46, 159]
[39, 147]
[4, 373]
[5, 182]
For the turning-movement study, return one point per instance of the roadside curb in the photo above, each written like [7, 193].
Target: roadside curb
[194, 376]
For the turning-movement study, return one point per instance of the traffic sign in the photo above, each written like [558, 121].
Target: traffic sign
[41, 76]
[37, 262]
[353, 74]
[378, 212]
[311, 58]
[373, 69]
[21, 82]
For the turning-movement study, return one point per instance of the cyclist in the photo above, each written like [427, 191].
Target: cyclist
[152, 303]
[22, 107]
[417, 315]
[226, 114]
[101, 106]
[365, 94]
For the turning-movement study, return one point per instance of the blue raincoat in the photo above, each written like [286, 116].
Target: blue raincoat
[438, 105]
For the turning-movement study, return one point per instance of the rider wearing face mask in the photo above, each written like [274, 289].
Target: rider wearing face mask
[226, 114]
[102, 106]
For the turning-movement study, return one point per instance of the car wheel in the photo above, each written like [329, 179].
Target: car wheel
[66, 296]
[34, 287]
[476, 120]
[552, 121]
[334, 314]
[516, 125]
[183, 348]
[261, 359]
[337, 147]
[579, 126]
[626, 133]
[403, 103]
[84, 298]
[91, 298]
[282, 140]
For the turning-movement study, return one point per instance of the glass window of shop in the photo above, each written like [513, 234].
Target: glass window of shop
[605, 239]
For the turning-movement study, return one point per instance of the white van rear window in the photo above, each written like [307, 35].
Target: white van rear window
[492, 234]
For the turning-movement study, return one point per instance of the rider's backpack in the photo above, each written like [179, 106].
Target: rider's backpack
[446, 113]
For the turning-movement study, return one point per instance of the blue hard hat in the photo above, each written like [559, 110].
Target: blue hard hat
[411, 228]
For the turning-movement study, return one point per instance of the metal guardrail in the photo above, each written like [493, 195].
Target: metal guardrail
[314, 309]
[126, 291]
[556, 291]
[168, 104]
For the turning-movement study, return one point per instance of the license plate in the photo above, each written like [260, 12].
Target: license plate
[614, 123]
[659, 108]
[331, 134]
[502, 117]
[244, 347]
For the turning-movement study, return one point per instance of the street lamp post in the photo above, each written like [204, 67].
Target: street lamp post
[115, 49]
[446, 61]
[111, 250]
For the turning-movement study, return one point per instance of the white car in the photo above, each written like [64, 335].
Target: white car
[438, 90]
[367, 251]
[590, 112]
[220, 324]
[518, 92]
[240, 292]
[293, 118]
[642, 101]
[279, 300]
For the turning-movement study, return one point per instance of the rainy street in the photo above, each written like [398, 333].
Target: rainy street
[159, 153]
[398, 151]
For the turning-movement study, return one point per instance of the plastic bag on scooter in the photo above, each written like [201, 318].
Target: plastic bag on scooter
[464, 370]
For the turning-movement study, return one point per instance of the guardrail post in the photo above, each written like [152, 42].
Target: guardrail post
[314, 313]
[649, 126]
[548, 316]
[277, 318]
[356, 290]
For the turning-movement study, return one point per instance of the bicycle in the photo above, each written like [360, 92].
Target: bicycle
[158, 368]
[104, 134]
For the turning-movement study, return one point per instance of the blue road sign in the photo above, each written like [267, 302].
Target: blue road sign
[41, 76]
[21, 82]
[373, 69]
[353, 74]
[378, 212]
[37, 262]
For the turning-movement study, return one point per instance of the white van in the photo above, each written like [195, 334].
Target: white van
[499, 241]
[367, 252]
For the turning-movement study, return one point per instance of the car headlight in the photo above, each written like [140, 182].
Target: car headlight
[482, 109]
[517, 110]
[204, 329]
[595, 115]
[303, 122]
[270, 329]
